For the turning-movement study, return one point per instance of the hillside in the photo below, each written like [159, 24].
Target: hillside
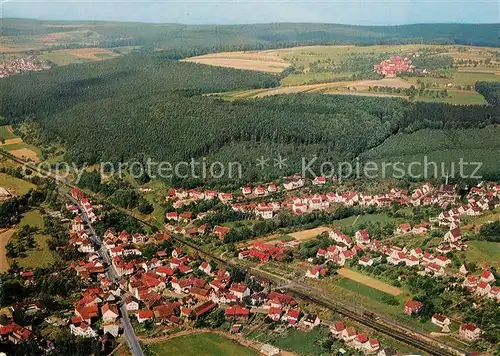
[258, 36]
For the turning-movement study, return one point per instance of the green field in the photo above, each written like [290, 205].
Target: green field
[457, 97]
[32, 218]
[362, 289]
[303, 78]
[201, 345]
[299, 342]
[5, 133]
[483, 252]
[39, 257]
[62, 58]
[14, 185]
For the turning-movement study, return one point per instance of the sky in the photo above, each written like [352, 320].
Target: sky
[356, 12]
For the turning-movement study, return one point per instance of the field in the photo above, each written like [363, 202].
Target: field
[201, 345]
[5, 236]
[6, 133]
[15, 186]
[264, 61]
[309, 234]
[368, 281]
[484, 253]
[300, 342]
[457, 97]
[39, 257]
[32, 218]
[80, 55]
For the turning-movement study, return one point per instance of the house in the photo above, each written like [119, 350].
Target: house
[319, 180]
[205, 267]
[420, 229]
[362, 236]
[82, 329]
[412, 307]
[237, 312]
[293, 316]
[440, 320]
[274, 313]
[337, 329]
[316, 272]
[172, 216]
[144, 314]
[360, 341]
[372, 345]
[387, 351]
[131, 304]
[365, 261]
[469, 331]
[348, 334]
[311, 320]
[109, 312]
[453, 235]
[220, 231]
[269, 350]
[404, 228]
[483, 288]
[240, 290]
[487, 277]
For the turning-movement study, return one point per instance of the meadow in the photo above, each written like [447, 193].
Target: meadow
[484, 253]
[201, 345]
[15, 186]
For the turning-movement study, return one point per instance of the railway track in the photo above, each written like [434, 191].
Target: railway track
[397, 332]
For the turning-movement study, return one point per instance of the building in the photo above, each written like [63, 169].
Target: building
[469, 331]
[412, 307]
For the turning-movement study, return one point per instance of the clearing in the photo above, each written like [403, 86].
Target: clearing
[6, 133]
[5, 236]
[79, 55]
[309, 234]
[39, 257]
[15, 186]
[25, 153]
[484, 253]
[369, 281]
[206, 344]
[263, 61]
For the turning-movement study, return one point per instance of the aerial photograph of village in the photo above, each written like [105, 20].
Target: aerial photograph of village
[219, 178]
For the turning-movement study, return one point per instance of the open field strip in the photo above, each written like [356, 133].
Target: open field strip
[264, 61]
[15, 186]
[310, 233]
[369, 281]
[5, 236]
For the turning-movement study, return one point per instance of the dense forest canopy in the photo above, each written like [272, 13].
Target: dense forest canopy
[151, 106]
[259, 36]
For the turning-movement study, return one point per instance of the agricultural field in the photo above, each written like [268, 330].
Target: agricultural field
[15, 186]
[263, 61]
[334, 70]
[80, 55]
[370, 282]
[205, 344]
[6, 133]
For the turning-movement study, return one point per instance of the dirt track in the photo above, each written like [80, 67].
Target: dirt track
[369, 281]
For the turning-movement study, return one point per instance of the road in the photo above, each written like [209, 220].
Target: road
[128, 330]
[330, 301]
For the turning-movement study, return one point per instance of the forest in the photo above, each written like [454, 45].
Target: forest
[147, 106]
[258, 36]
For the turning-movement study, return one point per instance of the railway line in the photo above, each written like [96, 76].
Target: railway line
[398, 332]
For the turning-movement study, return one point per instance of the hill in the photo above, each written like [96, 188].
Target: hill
[241, 37]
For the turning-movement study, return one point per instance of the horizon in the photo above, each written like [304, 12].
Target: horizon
[244, 12]
[57, 21]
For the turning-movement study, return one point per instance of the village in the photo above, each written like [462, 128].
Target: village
[171, 287]
[23, 64]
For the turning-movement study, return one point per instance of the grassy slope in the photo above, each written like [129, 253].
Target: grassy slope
[201, 345]
[14, 185]
[473, 145]
[483, 251]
